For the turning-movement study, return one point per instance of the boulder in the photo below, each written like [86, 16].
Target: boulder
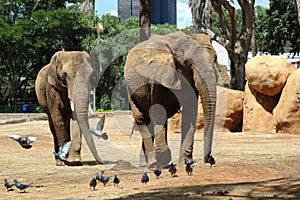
[287, 112]
[268, 74]
[258, 108]
[229, 112]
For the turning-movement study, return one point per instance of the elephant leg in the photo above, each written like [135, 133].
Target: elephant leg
[147, 144]
[59, 131]
[158, 117]
[188, 128]
[74, 157]
[55, 139]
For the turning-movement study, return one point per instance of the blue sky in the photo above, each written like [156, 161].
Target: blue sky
[184, 17]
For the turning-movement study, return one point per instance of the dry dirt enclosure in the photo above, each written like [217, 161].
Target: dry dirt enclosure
[249, 166]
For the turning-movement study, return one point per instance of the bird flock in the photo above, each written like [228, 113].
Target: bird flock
[9, 186]
[62, 154]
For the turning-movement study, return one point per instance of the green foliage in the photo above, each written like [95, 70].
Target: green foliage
[277, 27]
[30, 33]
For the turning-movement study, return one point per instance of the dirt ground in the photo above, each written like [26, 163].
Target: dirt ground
[249, 166]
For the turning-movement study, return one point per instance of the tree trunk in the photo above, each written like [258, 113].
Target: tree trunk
[201, 14]
[88, 6]
[144, 20]
[238, 46]
[297, 7]
[253, 40]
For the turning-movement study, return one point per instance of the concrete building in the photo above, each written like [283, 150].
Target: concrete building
[161, 11]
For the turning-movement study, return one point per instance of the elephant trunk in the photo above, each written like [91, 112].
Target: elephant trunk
[206, 86]
[81, 101]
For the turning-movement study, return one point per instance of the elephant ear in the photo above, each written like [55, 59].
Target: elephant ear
[158, 65]
[55, 67]
[161, 74]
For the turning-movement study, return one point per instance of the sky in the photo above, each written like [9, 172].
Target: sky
[184, 16]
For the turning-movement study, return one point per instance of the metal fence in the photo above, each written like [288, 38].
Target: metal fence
[20, 108]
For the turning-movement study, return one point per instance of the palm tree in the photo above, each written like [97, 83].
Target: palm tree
[88, 6]
[144, 20]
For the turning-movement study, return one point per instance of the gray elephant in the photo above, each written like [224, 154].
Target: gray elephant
[164, 74]
[63, 89]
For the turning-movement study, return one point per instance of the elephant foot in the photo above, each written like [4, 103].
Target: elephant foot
[60, 163]
[163, 156]
[75, 162]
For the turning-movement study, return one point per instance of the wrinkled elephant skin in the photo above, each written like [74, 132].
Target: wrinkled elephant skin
[164, 74]
[62, 89]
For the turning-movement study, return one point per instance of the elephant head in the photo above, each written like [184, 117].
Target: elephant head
[70, 74]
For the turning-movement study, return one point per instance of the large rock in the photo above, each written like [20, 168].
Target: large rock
[268, 74]
[229, 112]
[258, 110]
[287, 112]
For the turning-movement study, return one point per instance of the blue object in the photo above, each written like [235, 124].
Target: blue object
[25, 107]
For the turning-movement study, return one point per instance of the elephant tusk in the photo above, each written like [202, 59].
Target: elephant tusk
[72, 106]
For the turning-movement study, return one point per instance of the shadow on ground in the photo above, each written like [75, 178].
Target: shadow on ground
[272, 189]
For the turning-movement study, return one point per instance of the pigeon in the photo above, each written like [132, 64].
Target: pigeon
[116, 180]
[8, 185]
[63, 152]
[172, 169]
[24, 141]
[102, 179]
[187, 161]
[145, 178]
[97, 129]
[21, 186]
[188, 168]
[157, 171]
[93, 183]
[211, 160]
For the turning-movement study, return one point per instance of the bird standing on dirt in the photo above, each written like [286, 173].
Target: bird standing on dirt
[188, 168]
[97, 129]
[172, 169]
[93, 183]
[8, 185]
[63, 152]
[116, 180]
[21, 186]
[187, 161]
[23, 141]
[157, 171]
[211, 160]
[145, 178]
[102, 179]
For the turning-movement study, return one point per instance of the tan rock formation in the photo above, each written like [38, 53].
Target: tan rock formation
[268, 74]
[258, 110]
[229, 112]
[287, 112]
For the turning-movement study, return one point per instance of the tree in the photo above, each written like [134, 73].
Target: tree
[30, 33]
[88, 6]
[297, 8]
[144, 19]
[236, 43]
[282, 33]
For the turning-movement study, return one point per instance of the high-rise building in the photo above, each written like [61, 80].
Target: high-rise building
[161, 11]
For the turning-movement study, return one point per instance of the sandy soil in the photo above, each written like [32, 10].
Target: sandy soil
[249, 166]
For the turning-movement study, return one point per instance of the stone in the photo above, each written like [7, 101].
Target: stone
[229, 112]
[287, 112]
[258, 108]
[268, 74]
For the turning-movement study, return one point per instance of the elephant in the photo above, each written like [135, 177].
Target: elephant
[164, 74]
[62, 89]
